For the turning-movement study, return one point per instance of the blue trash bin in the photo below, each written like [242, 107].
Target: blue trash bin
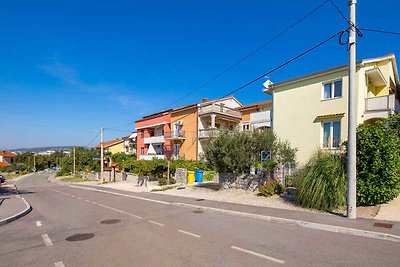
[198, 175]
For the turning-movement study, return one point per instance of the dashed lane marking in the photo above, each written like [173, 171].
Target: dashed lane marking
[258, 255]
[38, 223]
[121, 211]
[156, 223]
[188, 233]
[47, 240]
[59, 264]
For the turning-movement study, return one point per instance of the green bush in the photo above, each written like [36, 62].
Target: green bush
[164, 181]
[271, 188]
[236, 152]
[209, 176]
[321, 183]
[378, 161]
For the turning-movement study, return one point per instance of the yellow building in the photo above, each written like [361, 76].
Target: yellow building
[183, 135]
[311, 111]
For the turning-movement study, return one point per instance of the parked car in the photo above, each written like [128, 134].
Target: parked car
[2, 179]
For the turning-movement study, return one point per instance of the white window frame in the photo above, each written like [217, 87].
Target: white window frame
[331, 131]
[332, 83]
[246, 126]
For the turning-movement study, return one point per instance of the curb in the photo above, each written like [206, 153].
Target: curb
[20, 214]
[304, 224]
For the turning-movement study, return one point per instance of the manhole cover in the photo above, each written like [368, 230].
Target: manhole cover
[80, 237]
[383, 225]
[200, 199]
[198, 211]
[110, 221]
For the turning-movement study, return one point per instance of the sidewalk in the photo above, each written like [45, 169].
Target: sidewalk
[321, 221]
[12, 205]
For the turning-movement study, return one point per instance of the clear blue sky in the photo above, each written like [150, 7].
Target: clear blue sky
[69, 67]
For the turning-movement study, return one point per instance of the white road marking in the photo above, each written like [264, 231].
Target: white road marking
[121, 211]
[93, 202]
[59, 264]
[87, 200]
[119, 194]
[78, 197]
[188, 233]
[38, 223]
[47, 240]
[258, 254]
[156, 223]
[72, 196]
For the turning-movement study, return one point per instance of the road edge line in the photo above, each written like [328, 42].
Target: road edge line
[304, 224]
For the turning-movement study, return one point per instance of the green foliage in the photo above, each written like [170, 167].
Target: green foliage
[271, 188]
[378, 161]
[209, 176]
[164, 181]
[236, 152]
[164, 188]
[321, 183]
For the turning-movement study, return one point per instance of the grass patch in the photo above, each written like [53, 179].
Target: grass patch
[74, 179]
[164, 188]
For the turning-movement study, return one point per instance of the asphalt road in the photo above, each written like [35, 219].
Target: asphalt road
[75, 227]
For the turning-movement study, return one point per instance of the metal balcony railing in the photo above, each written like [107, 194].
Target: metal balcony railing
[219, 109]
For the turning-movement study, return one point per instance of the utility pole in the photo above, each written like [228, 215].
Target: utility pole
[74, 161]
[351, 147]
[34, 162]
[101, 154]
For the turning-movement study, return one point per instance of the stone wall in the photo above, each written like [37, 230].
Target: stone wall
[243, 181]
[181, 176]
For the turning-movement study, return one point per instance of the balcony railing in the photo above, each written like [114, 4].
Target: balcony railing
[380, 103]
[219, 109]
[207, 133]
[175, 135]
[154, 139]
[150, 157]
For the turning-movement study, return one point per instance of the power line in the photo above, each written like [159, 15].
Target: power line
[340, 12]
[380, 31]
[215, 77]
[97, 135]
[284, 64]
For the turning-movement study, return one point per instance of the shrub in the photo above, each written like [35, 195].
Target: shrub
[378, 161]
[164, 181]
[321, 183]
[209, 176]
[271, 188]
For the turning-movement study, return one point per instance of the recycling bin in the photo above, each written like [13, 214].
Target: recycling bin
[199, 176]
[190, 178]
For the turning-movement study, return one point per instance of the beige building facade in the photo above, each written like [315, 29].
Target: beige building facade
[311, 111]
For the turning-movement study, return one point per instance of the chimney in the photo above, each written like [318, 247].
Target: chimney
[204, 100]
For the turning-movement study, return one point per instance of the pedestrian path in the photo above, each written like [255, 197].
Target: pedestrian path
[12, 205]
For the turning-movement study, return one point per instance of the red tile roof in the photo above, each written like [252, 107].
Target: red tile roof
[7, 154]
[110, 143]
[268, 102]
[4, 164]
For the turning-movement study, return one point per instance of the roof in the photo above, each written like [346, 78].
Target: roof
[110, 143]
[329, 116]
[7, 154]
[4, 164]
[254, 105]
[332, 70]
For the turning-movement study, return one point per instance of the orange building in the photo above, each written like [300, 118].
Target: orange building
[256, 115]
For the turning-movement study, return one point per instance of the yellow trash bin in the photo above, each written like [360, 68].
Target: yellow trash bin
[190, 177]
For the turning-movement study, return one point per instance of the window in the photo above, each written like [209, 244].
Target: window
[177, 149]
[142, 133]
[331, 134]
[142, 151]
[332, 90]
[246, 127]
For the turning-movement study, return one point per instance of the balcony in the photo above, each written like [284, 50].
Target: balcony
[150, 157]
[207, 133]
[154, 139]
[379, 107]
[219, 109]
[260, 119]
[175, 135]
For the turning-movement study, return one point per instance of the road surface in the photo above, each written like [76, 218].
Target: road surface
[75, 227]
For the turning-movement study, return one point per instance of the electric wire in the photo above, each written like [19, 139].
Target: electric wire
[215, 77]
[91, 142]
[284, 64]
[380, 31]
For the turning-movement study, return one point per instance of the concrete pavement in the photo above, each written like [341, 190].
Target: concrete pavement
[12, 205]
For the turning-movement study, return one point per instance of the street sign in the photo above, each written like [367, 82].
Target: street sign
[265, 155]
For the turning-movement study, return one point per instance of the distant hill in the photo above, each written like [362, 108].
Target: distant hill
[42, 149]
